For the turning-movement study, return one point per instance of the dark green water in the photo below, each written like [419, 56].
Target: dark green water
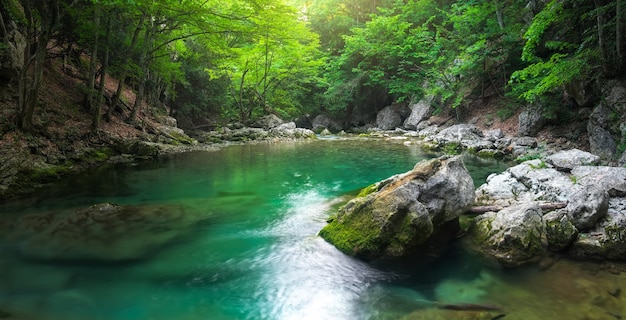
[246, 248]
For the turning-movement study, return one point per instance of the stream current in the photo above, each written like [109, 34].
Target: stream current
[247, 247]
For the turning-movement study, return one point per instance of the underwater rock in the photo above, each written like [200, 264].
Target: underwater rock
[512, 236]
[103, 232]
[400, 215]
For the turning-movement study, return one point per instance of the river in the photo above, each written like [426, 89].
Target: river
[246, 247]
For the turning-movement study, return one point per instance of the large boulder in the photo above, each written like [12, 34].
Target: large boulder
[399, 216]
[605, 125]
[608, 238]
[289, 130]
[391, 117]
[267, 122]
[322, 121]
[586, 206]
[511, 236]
[568, 159]
[560, 231]
[601, 141]
[458, 137]
[420, 111]
[530, 120]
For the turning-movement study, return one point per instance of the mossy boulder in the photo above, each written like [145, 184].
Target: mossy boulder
[399, 216]
[511, 236]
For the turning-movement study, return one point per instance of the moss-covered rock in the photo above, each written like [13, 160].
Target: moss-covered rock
[560, 232]
[511, 236]
[396, 217]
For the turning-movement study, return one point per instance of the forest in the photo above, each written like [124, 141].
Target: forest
[235, 60]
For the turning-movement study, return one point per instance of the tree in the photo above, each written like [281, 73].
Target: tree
[568, 42]
[41, 20]
[273, 64]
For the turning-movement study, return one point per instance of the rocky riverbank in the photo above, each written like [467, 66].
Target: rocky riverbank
[30, 160]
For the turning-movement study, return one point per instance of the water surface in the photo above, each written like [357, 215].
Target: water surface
[244, 246]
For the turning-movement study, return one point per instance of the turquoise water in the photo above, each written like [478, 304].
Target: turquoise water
[240, 242]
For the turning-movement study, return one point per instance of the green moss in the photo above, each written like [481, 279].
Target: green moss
[368, 190]
[541, 165]
[47, 173]
[465, 222]
[452, 148]
[524, 158]
[402, 238]
[184, 139]
[487, 153]
[430, 147]
[353, 234]
[97, 155]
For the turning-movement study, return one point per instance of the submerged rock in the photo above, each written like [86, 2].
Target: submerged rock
[399, 216]
[102, 232]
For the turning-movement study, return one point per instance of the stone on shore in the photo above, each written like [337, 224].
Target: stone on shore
[593, 223]
[511, 236]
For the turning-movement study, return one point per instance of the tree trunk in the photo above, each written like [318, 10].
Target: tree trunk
[95, 124]
[543, 206]
[120, 85]
[42, 19]
[618, 36]
[600, 26]
[143, 63]
[40, 28]
[93, 65]
[499, 14]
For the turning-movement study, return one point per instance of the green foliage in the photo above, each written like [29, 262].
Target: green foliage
[13, 10]
[542, 78]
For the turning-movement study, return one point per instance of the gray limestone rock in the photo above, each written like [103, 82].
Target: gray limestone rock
[586, 206]
[420, 111]
[322, 121]
[530, 121]
[267, 122]
[511, 236]
[391, 117]
[567, 160]
[601, 141]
